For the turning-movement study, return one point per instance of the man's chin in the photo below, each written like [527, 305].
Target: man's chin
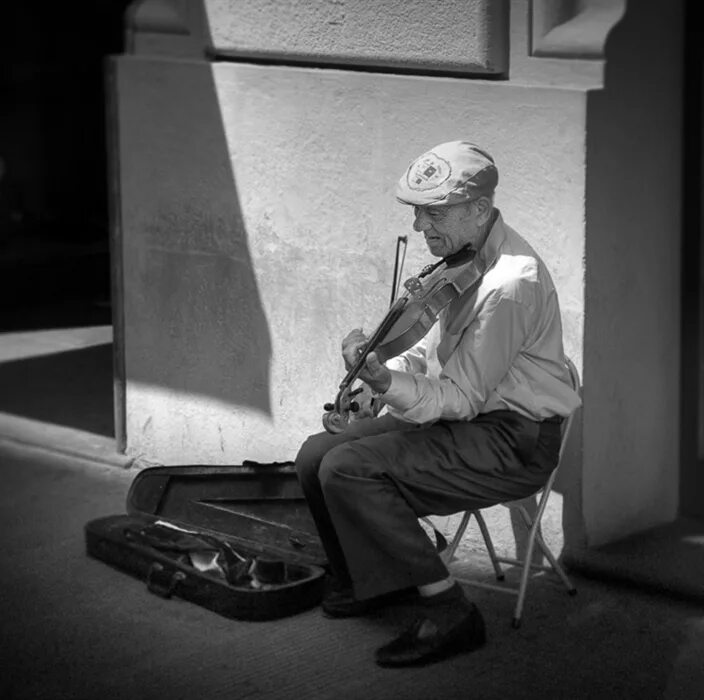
[437, 251]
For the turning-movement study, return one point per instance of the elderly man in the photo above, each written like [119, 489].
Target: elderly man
[473, 418]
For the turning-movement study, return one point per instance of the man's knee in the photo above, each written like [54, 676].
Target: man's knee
[310, 456]
[342, 462]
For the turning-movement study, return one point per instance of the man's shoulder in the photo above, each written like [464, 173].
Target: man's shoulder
[512, 276]
[514, 243]
[518, 269]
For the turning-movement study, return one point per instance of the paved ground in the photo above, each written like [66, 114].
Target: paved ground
[72, 627]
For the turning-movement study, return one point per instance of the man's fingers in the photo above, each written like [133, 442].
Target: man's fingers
[373, 363]
[379, 376]
[354, 340]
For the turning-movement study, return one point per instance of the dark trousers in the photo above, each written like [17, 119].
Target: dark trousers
[367, 487]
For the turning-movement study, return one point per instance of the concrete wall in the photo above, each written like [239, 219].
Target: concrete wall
[259, 226]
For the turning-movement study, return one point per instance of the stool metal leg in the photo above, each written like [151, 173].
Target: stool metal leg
[449, 553]
[557, 567]
[525, 573]
[489, 545]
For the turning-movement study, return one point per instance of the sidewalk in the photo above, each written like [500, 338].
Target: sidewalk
[74, 628]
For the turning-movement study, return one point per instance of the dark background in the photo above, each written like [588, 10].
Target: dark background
[54, 233]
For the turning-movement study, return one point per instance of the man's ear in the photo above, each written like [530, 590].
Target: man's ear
[484, 208]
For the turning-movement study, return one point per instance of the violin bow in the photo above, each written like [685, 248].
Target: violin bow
[398, 268]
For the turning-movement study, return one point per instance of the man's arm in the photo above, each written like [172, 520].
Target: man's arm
[480, 361]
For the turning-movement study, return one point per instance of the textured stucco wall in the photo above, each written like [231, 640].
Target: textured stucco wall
[259, 225]
[428, 34]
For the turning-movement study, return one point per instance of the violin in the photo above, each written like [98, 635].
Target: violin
[408, 320]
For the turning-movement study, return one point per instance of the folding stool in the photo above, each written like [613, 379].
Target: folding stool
[534, 532]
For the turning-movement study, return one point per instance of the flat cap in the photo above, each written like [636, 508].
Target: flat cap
[450, 173]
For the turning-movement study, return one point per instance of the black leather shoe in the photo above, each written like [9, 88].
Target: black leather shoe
[342, 603]
[425, 641]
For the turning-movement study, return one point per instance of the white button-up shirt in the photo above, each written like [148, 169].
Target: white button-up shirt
[497, 348]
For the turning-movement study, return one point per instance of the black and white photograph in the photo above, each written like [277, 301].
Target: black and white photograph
[352, 350]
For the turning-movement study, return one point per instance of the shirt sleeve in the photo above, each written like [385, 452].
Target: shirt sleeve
[413, 360]
[479, 362]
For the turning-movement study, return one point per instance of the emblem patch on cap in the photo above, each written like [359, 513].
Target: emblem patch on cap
[428, 172]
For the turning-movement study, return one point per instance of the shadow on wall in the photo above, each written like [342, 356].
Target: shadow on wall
[194, 313]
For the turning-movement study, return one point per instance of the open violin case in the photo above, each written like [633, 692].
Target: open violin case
[238, 540]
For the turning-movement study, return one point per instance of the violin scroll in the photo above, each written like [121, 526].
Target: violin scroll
[347, 408]
[337, 415]
[335, 422]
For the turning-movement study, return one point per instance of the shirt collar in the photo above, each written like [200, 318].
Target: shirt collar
[490, 251]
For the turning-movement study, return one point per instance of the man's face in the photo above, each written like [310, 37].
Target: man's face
[447, 228]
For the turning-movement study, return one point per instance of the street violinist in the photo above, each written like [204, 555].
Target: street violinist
[471, 417]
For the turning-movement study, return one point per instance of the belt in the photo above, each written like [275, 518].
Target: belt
[505, 411]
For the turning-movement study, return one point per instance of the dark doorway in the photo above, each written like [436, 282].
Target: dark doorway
[54, 228]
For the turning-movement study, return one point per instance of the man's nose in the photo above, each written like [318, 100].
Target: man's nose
[421, 222]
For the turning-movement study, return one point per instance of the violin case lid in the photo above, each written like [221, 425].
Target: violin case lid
[257, 503]
[257, 509]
